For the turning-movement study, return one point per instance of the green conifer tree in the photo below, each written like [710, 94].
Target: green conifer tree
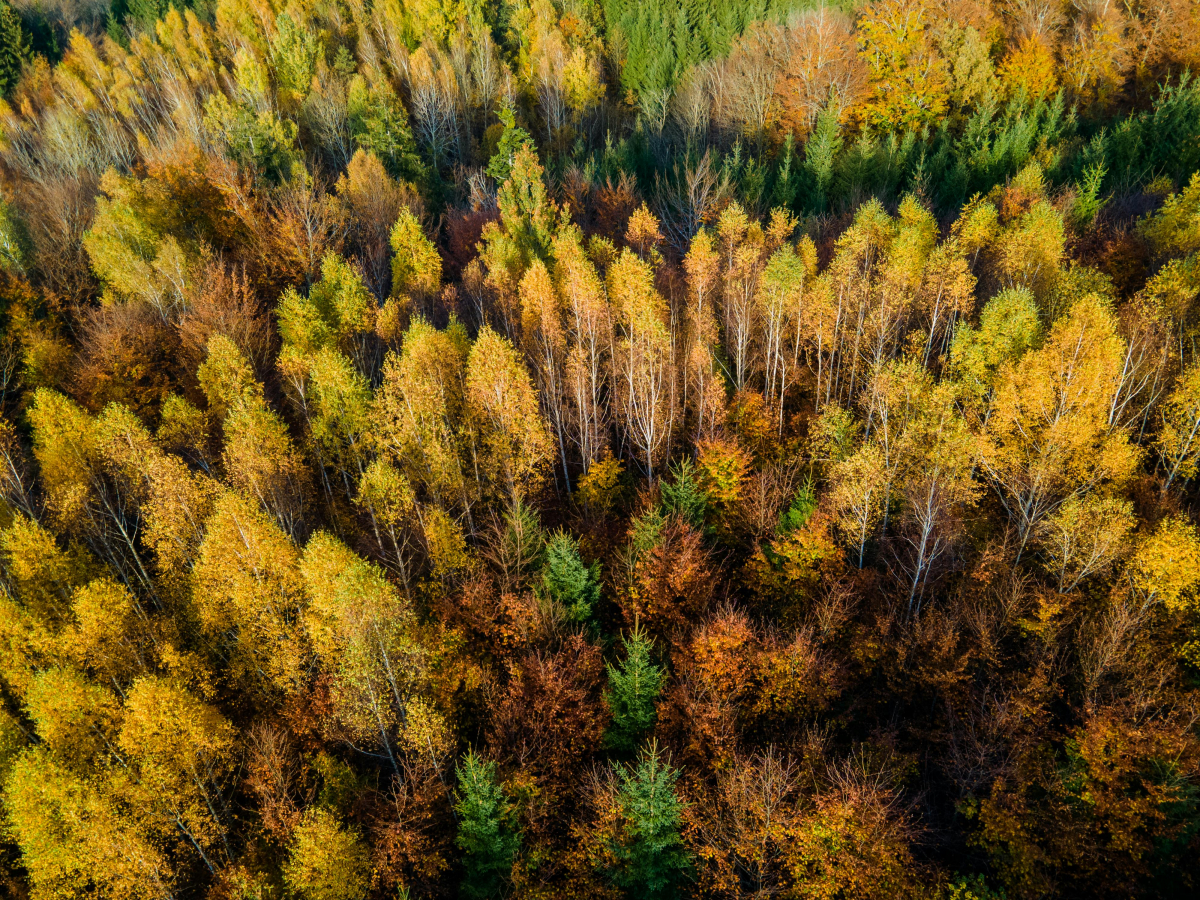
[651, 858]
[633, 687]
[568, 581]
[683, 495]
[487, 832]
[379, 124]
[14, 48]
[512, 139]
[820, 153]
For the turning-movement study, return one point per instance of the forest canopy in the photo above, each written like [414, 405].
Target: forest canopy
[560, 448]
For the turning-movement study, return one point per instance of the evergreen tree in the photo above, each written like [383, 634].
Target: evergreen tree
[568, 581]
[144, 13]
[379, 124]
[819, 155]
[512, 139]
[14, 48]
[486, 831]
[651, 859]
[683, 495]
[633, 686]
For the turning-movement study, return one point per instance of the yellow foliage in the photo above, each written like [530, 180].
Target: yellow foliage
[600, 486]
[326, 860]
[1030, 70]
[1166, 565]
[908, 78]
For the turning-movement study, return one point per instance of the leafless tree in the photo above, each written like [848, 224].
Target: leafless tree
[686, 199]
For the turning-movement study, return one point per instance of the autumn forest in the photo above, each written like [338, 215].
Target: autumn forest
[599, 449]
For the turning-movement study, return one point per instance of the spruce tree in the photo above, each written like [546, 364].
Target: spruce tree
[512, 139]
[821, 152]
[487, 832]
[568, 581]
[379, 124]
[633, 686]
[144, 13]
[683, 495]
[651, 858]
[14, 48]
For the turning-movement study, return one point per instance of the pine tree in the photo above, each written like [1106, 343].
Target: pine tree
[684, 495]
[14, 48]
[633, 687]
[487, 832]
[651, 859]
[512, 139]
[820, 153]
[379, 124]
[144, 13]
[568, 581]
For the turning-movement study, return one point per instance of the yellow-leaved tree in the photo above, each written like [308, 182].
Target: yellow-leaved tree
[1048, 438]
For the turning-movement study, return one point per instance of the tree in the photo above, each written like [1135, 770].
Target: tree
[388, 497]
[419, 409]
[545, 340]
[82, 494]
[1028, 71]
[416, 264]
[326, 860]
[171, 501]
[487, 829]
[684, 495]
[251, 132]
[378, 124]
[374, 201]
[645, 383]
[1178, 440]
[1048, 438]
[1084, 537]
[361, 630]
[339, 425]
[1008, 327]
[247, 594]
[935, 483]
[35, 609]
[649, 858]
[590, 340]
[527, 214]
[74, 836]
[109, 636]
[742, 249]
[907, 76]
[566, 580]
[503, 405]
[14, 49]
[781, 302]
[1030, 248]
[73, 716]
[857, 495]
[633, 689]
[259, 456]
[517, 546]
[435, 104]
[512, 139]
[1165, 565]
[181, 752]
